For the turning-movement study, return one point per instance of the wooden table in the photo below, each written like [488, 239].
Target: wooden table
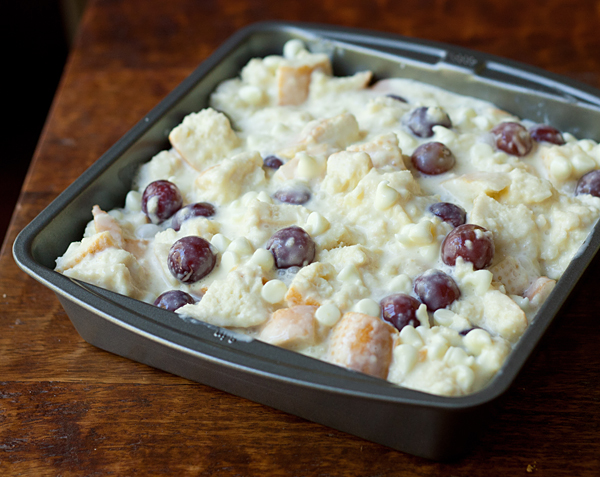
[67, 408]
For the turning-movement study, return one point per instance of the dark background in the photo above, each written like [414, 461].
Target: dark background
[37, 38]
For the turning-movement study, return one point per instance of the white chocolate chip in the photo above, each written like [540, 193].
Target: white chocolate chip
[437, 347]
[385, 196]
[582, 163]
[443, 317]
[220, 242]
[482, 123]
[264, 197]
[349, 274]
[405, 358]
[490, 360]
[251, 95]
[316, 224]
[152, 208]
[263, 258]
[248, 197]
[133, 201]
[481, 151]
[401, 284]
[292, 49]
[229, 260]
[476, 340]
[465, 377]
[117, 214]
[368, 307]
[241, 246]
[274, 291]
[422, 315]
[406, 141]
[411, 336]
[444, 135]
[587, 145]
[308, 167]
[147, 231]
[421, 233]
[456, 356]
[328, 315]
[560, 168]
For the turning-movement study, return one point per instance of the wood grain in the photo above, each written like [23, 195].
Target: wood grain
[67, 408]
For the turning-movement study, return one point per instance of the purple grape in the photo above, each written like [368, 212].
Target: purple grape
[433, 158]
[421, 120]
[173, 299]
[436, 289]
[397, 98]
[296, 195]
[512, 138]
[291, 247]
[471, 242]
[191, 259]
[160, 200]
[589, 184]
[545, 133]
[272, 162]
[199, 209]
[451, 213]
[400, 310]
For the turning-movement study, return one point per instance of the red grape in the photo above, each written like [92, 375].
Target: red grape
[589, 184]
[451, 213]
[173, 299]
[397, 98]
[512, 138]
[421, 120]
[272, 162]
[436, 289]
[296, 195]
[199, 209]
[433, 158]
[291, 247]
[160, 200]
[191, 259]
[543, 132]
[471, 242]
[400, 310]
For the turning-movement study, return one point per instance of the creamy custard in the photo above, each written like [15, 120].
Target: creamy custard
[288, 145]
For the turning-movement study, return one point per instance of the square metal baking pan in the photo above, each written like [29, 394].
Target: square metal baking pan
[431, 426]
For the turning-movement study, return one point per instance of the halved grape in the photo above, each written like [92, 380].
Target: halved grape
[422, 120]
[272, 162]
[160, 200]
[199, 209]
[174, 299]
[297, 194]
[433, 158]
[191, 259]
[471, 242]
[543, 132]
[589, 184]
[512, 138]
[436, 289]
[400, 310]
[291, 247]
[448, 212]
